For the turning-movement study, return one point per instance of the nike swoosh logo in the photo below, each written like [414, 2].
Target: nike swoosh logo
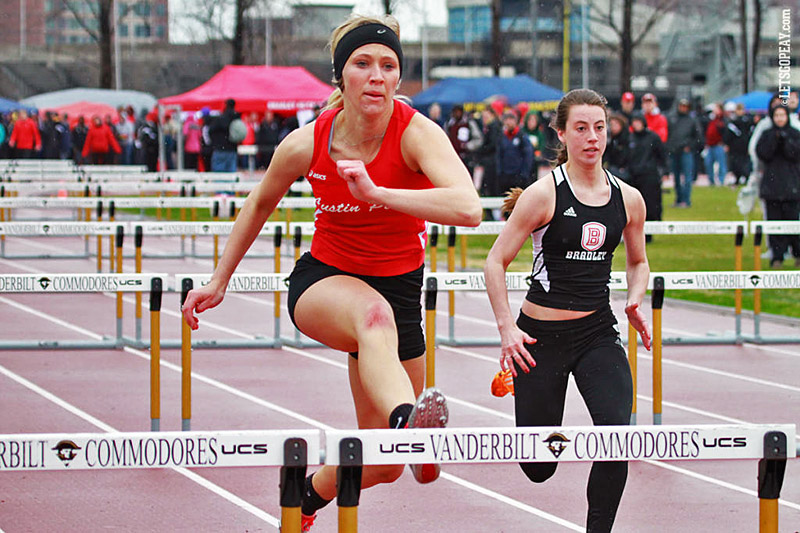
[381, 31]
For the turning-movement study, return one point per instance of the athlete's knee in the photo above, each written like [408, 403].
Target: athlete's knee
[539, 472]
[387, 473]
[377, 314]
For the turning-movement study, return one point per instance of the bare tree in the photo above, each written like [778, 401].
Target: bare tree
[99, 16]
[210, 16]
[497, 37]
[622, 26]
[759, 8]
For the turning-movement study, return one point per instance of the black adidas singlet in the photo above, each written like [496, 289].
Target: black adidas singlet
[572, 253]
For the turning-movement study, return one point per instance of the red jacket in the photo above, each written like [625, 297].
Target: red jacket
[100, 140]
[25, 135]
[713, 132]
[658, 123]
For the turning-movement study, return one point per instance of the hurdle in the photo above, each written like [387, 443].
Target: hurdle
[64, 283]
[58, 229]
[256, 282]
[758, 229]
[351, 450]
[771, 445]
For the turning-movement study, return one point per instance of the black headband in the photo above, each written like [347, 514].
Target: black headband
[358, 37]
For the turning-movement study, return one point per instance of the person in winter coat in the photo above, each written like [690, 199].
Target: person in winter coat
[192, 142]
[684, 139]
[716, 159]
[779, 150]
[267, 139]
[736, 137]
[25, 138]
[79, 133]
[514, 155]
[464, 135]
[485, 174]
[223, 158]
[100, 143]
[647, 158]
[532, 126]
[147, 141]
[615, 158]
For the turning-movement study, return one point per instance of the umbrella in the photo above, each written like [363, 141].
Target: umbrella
[7, 106]
[87, 109]
[755, 101]
[139, 100]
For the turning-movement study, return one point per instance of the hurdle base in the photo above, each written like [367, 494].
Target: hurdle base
[258, 342]
[301, 343]
[468, 341]
[104, 344]
[46, 256]
[761, 339]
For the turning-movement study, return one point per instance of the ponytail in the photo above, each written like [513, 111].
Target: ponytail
[510, 200]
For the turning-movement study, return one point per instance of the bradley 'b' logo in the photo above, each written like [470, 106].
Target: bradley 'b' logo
[556, 443]
[65, 450]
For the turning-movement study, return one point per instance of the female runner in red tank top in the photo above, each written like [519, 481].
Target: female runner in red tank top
[378, 170]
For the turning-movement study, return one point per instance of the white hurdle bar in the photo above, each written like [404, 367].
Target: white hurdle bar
[69, 283]
[719, 280]
[351, 450]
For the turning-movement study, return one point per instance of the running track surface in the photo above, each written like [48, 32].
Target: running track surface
[106, 390]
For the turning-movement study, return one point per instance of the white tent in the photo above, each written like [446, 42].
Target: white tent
[139, 100]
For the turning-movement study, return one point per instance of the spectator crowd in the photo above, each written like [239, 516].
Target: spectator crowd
[127, 139]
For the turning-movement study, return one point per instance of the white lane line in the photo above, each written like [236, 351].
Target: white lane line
[513, 503]
[216, 489]
[715, 481]
[731, 375]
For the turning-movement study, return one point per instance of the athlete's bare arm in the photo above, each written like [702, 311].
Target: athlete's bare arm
[292, 158]
[533, 210]
[637, 269]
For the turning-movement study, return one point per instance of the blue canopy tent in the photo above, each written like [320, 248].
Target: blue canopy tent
[756, 101]
[7, 106]
[520, 88]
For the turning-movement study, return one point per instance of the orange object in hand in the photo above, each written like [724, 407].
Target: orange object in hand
[503, 383]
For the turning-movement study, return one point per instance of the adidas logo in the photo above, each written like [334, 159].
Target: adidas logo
[570, 212]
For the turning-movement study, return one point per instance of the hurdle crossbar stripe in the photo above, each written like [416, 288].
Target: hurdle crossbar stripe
[198, 228]
[775, 227]
[721, 280]
[59, 229]
[562, 444]
[650, 227]
[251, 282]
[70, 282]
[104, 451]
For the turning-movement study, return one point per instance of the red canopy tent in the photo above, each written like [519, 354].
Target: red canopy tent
[88, 109]
[255, 89]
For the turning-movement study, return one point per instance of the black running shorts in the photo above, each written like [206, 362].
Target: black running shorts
[403, 292]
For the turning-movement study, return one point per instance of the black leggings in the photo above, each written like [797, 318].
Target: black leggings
[590, 349]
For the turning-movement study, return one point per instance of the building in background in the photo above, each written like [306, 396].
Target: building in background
[55, 22]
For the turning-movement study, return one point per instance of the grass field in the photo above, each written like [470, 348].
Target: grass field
[667, 253]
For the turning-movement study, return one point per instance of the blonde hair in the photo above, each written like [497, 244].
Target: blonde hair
[354, 21]
[510, 200]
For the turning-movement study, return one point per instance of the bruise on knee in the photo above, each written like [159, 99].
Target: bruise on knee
[377, 316]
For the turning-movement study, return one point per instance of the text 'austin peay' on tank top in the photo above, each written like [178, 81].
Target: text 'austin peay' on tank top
[572, 253]
[356, 236]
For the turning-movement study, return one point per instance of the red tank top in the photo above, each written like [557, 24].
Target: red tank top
[356, 236]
